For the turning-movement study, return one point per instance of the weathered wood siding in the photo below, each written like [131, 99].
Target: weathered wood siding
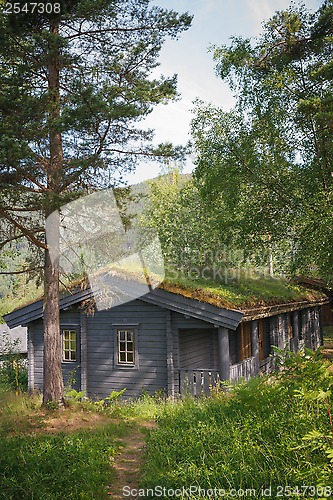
[182, 322]
[310, 328]
[103, 374]
[243, 370]
[197, 382]
[35, 334]
[198, 348]
[71, 319]
[163, 339]
[316, 334]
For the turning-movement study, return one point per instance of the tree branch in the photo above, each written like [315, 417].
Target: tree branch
[23, 271]
[26, 232]
[112, 30]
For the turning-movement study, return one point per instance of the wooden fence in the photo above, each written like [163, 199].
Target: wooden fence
[197, 382]
[245, 370]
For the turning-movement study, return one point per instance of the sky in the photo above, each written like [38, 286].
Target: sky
[215, 21]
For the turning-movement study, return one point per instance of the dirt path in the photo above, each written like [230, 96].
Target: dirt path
[128, 463]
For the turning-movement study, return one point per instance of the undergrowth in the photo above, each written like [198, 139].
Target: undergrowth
[36, 464]
[267, 433]
[258, 436]
[59, 466]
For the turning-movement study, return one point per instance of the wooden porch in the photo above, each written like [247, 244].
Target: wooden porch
[199, 382]
[196, 382]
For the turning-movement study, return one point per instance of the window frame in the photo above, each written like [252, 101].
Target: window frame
[69, 328]
[133, 328]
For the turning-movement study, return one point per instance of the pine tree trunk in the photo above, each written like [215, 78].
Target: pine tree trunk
[53, 381]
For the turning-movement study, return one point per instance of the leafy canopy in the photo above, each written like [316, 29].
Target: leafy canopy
[74, 88]
[270, 158]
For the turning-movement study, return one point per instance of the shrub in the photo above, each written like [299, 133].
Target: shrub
[13, 368]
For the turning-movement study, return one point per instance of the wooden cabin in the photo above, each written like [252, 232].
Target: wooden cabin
[171, 339]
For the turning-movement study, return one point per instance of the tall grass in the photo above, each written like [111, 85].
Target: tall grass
[267, 433]
[251, 438]
[38, 465]
[60, 466]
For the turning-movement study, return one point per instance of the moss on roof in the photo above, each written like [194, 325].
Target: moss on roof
[241, 293]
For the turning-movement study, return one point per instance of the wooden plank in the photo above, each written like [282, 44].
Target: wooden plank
[206, 383]
[197, 382]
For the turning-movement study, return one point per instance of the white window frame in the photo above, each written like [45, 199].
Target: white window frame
[126, 346]
[127, 362]
[69, 350]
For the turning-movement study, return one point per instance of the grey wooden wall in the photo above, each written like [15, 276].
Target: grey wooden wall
[198, 348]
[70, 318]
[103, 374]
[162, 337]
[181, 322]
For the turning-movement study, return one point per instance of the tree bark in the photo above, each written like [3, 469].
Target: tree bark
[53, 381]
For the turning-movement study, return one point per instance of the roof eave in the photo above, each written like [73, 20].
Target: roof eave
[266, 311]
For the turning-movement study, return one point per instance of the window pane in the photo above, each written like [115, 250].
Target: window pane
[69, 345]
[125, 346]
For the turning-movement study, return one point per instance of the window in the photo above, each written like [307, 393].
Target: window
[126, 348]
[69, 345]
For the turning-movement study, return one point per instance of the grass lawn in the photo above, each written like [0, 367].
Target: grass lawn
[65, 454]
[269, 433]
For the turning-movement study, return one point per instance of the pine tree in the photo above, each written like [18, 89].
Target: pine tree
[74, 82]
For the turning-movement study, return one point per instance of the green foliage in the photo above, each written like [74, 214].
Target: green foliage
[13, 368]
[75, 465]
[115, 395]
[105, 90]
[15, 289]
[251, 437]
[235, 287]
[35, 464]
[188, 228]
[16, 409]
[73, 86]
[270, 159]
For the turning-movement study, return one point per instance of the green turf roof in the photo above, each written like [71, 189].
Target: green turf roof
[242, 293]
